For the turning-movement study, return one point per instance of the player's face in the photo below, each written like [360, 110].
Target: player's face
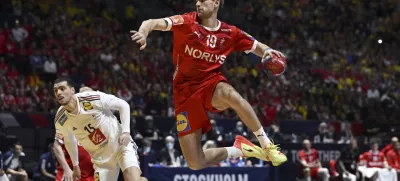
[375, 147]
[63, 92]
[205, 8]
[307, 145]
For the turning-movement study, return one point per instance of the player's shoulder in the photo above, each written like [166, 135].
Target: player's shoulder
[89, 95]
[60, 115]
[390, 152]
[185, 18]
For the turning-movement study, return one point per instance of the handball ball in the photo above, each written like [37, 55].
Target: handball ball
[277, 65]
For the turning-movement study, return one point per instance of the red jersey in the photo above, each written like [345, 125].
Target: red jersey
[85, 160]
[200, 51]
[310, 157]
[375, 160]
[387, 149]
[393, 159]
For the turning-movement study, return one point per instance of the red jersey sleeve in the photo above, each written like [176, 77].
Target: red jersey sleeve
[302, 155]
[243, 41]
[180, 22]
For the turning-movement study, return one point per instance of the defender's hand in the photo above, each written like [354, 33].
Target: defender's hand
[68, 175]
[76, 173]
[124, 139]
[140, 38]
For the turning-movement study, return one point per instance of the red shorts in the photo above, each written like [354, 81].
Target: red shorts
[84, 176]
[192, 104]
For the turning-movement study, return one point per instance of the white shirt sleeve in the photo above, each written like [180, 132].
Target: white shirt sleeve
[115, 103]
[70, 142]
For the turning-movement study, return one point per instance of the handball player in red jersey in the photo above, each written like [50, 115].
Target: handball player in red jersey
[64, 163]
[201, 45]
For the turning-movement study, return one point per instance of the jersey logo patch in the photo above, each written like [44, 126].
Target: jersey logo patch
[177, 20]
[251, 38]
[87, 106]
[182, 122]
[62, 119]
[97, 136]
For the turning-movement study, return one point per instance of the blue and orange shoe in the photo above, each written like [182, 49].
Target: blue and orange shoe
[249, 149]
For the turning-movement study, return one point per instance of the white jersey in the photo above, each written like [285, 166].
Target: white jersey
[95, 127]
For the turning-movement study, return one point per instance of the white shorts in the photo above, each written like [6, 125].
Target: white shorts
[126, 157]
[4, 177]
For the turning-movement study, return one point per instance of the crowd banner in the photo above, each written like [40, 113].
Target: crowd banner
[209, 174]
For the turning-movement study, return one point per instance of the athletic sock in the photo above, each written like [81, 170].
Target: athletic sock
[233, 152]
[262, 138]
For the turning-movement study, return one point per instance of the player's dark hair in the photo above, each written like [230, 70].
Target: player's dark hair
[372, 143]
[70, 83]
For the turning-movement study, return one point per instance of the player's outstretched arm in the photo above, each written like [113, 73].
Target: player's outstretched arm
[115, 103]
[59, 153]
[145, 29]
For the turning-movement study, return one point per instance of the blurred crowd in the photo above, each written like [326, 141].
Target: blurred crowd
[337, 69]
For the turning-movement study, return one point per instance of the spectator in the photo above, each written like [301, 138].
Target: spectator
[19, 33]
[347, 134]
[389, 147]
[310, 163]
[124, 93]
[106, 56]
[275, 134]
[322, 136]
[346, 164]
[169, 156]
[3, 176]
[148, 152]
[393, 158]
[240, 130]
[36, 60]
[45, 169]
[50, 66]
[215, 133]
[373, 93]
[373, 165]
[14, 164]
[156, 101]
[150, 131]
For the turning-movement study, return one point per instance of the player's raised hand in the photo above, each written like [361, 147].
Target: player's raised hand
[140, 38]
[67, 175]
[124, 139]
[271, 52]
[76, 173]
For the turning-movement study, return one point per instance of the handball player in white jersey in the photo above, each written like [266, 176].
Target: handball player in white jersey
[87, 117]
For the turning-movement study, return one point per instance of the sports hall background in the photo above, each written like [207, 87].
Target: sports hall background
[338, 75]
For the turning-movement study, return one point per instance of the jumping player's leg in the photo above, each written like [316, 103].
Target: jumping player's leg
[195, 156]
[224, 97]
[192, 122]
